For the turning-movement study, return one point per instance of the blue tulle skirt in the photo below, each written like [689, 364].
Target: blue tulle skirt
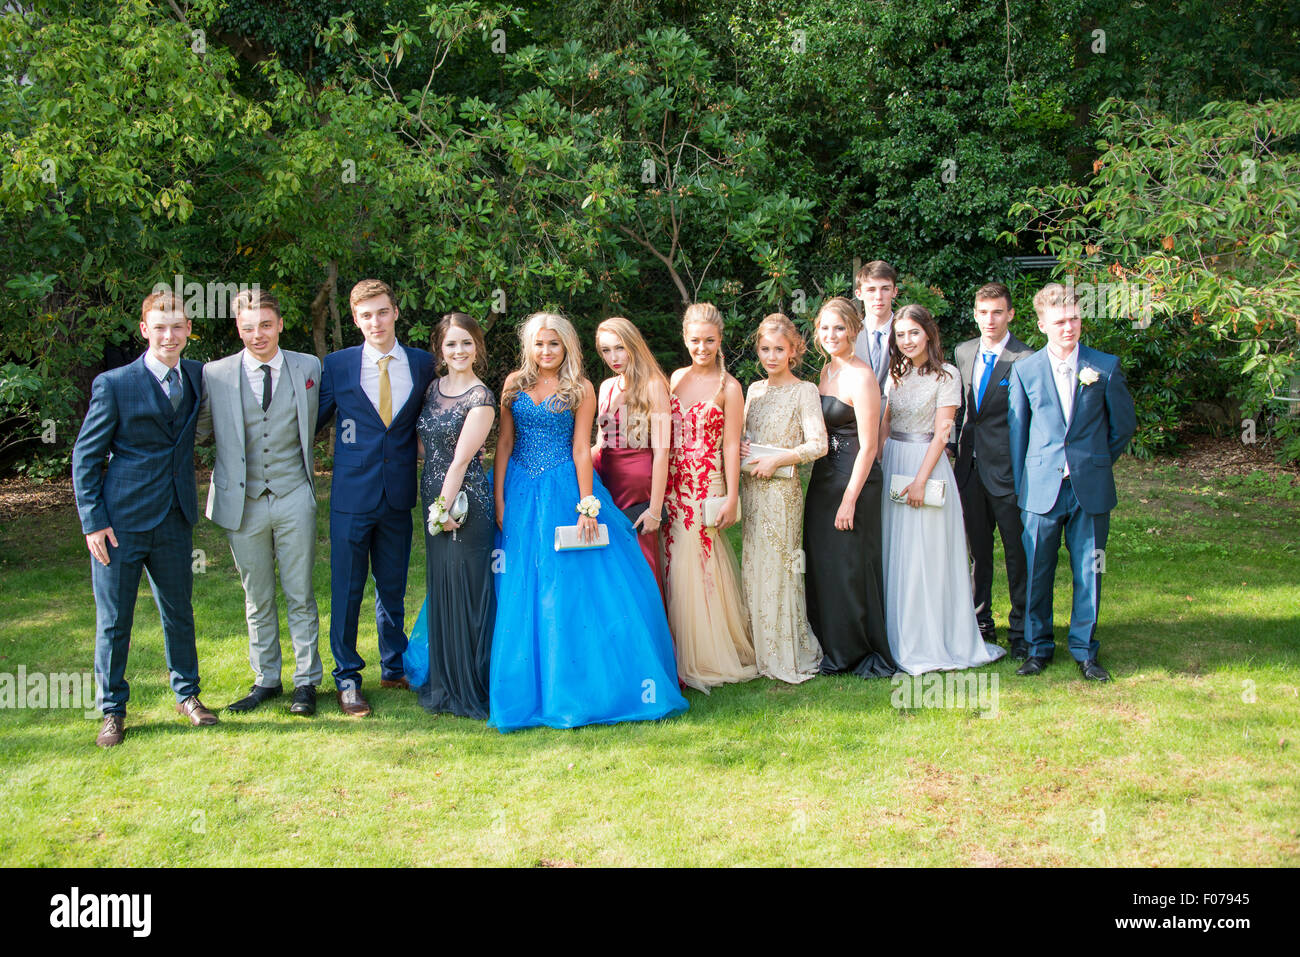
[581, 636]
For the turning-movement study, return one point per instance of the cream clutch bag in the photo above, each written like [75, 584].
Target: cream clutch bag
[567, 538]
[755, 451]
[714, 505]
[935, 490]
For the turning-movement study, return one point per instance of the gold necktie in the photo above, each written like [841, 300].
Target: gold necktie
[385, 392]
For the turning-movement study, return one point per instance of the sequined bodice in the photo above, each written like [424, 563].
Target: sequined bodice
[914, 399]
[543, 434]
[439, 427]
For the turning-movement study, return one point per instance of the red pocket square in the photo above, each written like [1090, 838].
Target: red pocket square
[310, 383]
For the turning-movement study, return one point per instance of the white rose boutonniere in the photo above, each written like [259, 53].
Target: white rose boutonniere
[1087, 376]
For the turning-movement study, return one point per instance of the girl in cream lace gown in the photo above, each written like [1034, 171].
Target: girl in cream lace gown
[706, 612]
[929, 615]
[785, 412]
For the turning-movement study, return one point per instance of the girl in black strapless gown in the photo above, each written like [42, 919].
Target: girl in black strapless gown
[845, 581]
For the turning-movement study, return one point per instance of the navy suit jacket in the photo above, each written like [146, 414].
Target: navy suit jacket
[134, 457]
[370, 460]
[1042, 443]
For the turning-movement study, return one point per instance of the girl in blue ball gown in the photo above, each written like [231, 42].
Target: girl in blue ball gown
[581, 636]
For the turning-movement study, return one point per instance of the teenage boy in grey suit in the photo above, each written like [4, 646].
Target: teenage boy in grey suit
[260, 404]
[876, 286]
[982, 446]
[133, 472]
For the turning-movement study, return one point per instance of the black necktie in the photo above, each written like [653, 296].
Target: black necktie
[266, 387]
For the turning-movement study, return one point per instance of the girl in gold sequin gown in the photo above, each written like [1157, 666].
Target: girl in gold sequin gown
[785, 412]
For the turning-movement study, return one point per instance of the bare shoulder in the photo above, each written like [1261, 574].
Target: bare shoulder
[676, 377]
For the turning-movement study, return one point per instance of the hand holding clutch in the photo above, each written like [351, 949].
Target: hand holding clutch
[935, 490]
[569, 538]
[757, 452]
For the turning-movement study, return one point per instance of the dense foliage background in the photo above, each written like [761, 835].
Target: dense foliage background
[629, 156]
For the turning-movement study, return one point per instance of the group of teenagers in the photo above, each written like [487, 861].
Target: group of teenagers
[582, 581]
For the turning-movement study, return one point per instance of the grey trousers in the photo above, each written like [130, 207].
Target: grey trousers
[279, 529]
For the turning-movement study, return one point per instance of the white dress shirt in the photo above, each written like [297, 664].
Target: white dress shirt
[253, 372]
[160, 370]
[1065, 385]
[399, 375]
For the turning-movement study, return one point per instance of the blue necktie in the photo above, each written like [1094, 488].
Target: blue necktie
[989, 360]
[875, 352]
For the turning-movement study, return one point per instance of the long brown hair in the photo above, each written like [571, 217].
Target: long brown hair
[898, 362]
[459, 320]
[642, 369]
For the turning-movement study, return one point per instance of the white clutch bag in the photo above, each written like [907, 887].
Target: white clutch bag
[935, 490]
[756, 450]
[567, 538]
[714, 505]
[460, 507]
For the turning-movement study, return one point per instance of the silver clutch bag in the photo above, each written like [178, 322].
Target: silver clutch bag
[568, 538]
[756, 450]
[459, 508]
[935, 490]
[714, 505]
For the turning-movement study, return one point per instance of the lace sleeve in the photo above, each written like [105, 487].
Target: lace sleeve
[482, 395]
[814, 426]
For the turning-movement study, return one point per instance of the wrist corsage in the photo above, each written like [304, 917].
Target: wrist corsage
[437, 514]
[589, 506]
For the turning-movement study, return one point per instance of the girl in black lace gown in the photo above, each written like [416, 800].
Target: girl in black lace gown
[841, 533]
[459, 610]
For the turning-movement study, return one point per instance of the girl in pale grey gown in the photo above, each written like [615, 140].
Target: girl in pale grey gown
[929, 615]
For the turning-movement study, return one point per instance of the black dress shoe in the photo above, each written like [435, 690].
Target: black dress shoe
[990, 635]
[1019, 649]
[256, 695]
[304, 700]
[1033, 666]
[1093, 671]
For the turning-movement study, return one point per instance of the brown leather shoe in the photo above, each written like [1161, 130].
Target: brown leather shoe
[193, 709]
[399, 683]
[113, 731]
[353, 704]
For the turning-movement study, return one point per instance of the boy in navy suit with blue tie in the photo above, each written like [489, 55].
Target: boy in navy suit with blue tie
[375, 393]
[133, 473]
[1070, 417]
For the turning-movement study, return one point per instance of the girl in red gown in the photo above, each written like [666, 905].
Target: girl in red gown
[635, 431]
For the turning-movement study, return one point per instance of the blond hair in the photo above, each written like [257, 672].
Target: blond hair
[1053, 294]
[642, 369]
[569, 392]
[707, 312]
[843, 310]
[778, 323]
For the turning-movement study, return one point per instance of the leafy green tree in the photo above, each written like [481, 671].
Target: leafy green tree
[1188, 233]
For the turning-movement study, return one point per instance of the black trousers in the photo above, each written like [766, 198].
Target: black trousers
[983, 512]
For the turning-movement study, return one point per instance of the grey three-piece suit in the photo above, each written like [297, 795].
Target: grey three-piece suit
[264, 494]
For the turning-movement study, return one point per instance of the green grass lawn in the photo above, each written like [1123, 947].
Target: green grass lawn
[1187, 758]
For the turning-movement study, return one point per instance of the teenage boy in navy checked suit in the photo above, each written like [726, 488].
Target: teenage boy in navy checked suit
[133, 474]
